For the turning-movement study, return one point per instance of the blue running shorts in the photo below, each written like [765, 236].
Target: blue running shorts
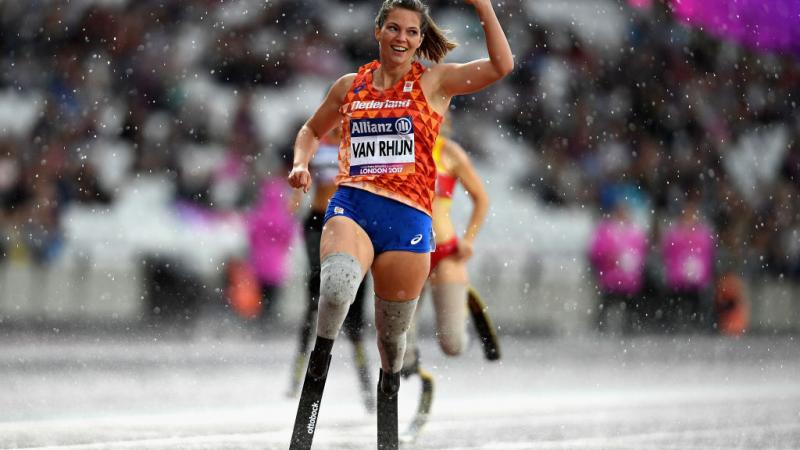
[390, 225]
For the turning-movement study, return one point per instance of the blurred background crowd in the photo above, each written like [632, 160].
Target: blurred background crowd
[625, 115]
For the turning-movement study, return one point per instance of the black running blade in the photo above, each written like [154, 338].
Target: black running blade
[483, 325]
[387, 420]
[305, 423]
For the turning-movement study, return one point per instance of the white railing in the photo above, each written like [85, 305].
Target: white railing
[527, 292]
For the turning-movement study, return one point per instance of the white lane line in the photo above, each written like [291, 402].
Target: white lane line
[232, 438]
[337, 435]
[269, 438]
[353, 432]
[633, 413]
[364, 434]
[625, 440]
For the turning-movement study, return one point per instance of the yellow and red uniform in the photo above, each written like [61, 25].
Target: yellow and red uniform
[445, 188]
[388, 137]
[445, 181]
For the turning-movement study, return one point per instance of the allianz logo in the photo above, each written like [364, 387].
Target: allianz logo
[402, 125]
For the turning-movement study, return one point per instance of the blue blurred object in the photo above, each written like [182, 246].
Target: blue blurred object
[612, 194]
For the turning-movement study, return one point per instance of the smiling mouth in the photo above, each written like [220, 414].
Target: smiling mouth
[399, 49]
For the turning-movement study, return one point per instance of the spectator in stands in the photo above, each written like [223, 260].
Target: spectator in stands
[688, 255]
[617, 255]
[271, 229]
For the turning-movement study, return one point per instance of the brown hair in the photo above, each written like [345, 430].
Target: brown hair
[435, 43]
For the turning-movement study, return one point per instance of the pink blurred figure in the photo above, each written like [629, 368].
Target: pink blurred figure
[617, 254]
[271, 228]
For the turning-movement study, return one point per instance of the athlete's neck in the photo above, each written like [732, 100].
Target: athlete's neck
[386, 75]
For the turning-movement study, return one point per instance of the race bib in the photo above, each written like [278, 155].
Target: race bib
[381, 146]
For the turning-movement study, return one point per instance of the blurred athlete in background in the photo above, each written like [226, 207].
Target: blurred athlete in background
[449, 282]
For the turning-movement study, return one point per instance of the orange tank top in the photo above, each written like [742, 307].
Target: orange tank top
[388, 137]
[445, 181]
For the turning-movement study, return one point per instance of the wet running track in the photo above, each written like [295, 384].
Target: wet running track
[665, 392]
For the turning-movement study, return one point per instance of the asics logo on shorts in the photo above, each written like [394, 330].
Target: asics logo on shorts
[416, 239]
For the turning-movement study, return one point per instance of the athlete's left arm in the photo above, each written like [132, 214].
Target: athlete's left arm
[465, 172]
[456, 79]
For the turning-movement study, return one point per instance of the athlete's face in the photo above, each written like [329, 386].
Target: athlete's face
[400, 36]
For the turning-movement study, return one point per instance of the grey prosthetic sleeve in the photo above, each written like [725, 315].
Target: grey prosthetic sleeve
[411, 353]
[340, 276]
[450, 303]
[392, 320]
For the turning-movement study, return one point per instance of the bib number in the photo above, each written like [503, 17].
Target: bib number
[381, 146]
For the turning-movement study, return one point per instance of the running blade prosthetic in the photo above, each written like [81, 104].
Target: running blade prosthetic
[305, 423]
[388, 386]
[483, 325]
[423, 408]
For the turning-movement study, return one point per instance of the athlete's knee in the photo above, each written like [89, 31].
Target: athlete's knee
[339, 279]
[452, 344]
[341, 275]
[392, 321]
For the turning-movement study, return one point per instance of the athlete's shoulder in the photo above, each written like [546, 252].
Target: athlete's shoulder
[344, 82]
[341, 86]
[437, 71]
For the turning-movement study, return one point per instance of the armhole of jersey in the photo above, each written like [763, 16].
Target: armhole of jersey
[350, 90]
[349, 95]
[421, 69]
[416, 76]
[348, 98]
[353, 84]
